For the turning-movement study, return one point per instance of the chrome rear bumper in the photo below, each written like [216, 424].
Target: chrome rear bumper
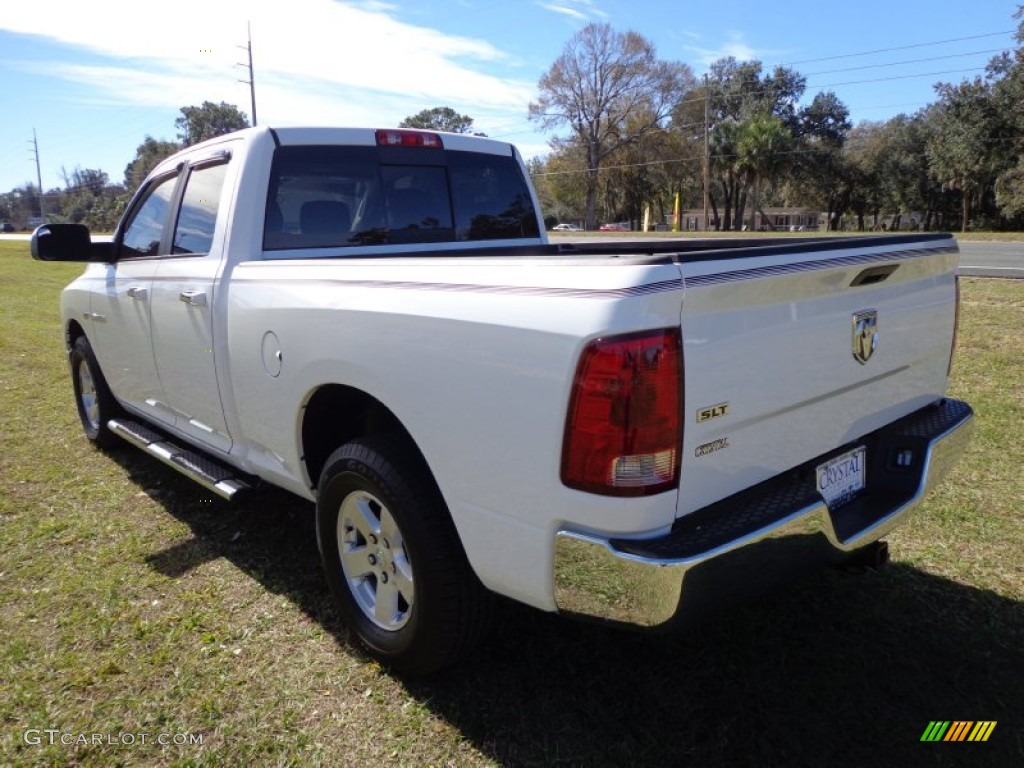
[741, 546]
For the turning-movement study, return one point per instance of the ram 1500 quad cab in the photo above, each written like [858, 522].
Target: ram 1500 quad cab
[375, 321]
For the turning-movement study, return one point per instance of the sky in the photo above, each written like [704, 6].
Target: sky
[90, 80]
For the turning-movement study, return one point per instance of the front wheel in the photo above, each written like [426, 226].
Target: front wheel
[96, 404]
[393, 559]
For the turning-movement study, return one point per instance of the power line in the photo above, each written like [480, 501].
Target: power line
[903, 47]
[813, 87]
[901, 77]
[906, 61]
[761, 92]
[695, 99]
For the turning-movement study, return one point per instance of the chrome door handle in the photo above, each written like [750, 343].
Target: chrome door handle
[139, 294]
[195, 298]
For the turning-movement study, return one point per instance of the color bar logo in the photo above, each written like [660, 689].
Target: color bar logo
[958, 730]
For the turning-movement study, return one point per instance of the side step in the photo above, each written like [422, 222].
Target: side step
[211, 474]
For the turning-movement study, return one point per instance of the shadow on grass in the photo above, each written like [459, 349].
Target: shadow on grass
[845, 668]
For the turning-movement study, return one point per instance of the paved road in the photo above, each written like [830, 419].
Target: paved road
[978, 258]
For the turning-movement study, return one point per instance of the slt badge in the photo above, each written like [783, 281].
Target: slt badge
[865, 334]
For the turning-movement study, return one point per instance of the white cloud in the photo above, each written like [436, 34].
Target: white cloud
[375, 6]
[565, 10]
[116, 86]
[322, 60]
[581, 10]
[734, 46]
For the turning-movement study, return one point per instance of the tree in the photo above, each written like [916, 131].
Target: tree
[762, 145]
[739, 98]
[147, 156]
[826, 119]
[963, 154]
[440, 119]
[89, 198]
[904, 171]
[821, 175]
[610, 89]
[198, 124]
[20, 204]
[724, 173]
[1010, 191]
[561, 182]
[536, 167]
[738, 90]
[6, 206]
[866, 150]
[1007, 70]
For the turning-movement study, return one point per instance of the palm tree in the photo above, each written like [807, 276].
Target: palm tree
[762, 142]
[723, 167]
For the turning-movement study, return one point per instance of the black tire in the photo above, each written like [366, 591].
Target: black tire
[405, 589]
[96, 405]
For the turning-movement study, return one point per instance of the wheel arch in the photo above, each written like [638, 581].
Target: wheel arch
[72, 332]
[335, 414]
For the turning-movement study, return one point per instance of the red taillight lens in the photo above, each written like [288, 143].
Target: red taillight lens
[623, 433]
[397, 138]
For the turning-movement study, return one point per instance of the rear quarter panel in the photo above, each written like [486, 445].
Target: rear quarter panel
[476, 360]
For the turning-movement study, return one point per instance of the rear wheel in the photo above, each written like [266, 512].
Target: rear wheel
[96, 405]
[393, 558]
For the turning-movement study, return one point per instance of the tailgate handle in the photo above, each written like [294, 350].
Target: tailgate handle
[874, 275]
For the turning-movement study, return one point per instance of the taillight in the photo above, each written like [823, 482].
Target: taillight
[623, 433]
[401, 138]
[956, 328]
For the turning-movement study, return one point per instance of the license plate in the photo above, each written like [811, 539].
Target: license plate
[842, 478]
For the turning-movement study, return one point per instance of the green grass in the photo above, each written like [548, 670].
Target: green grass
[134, 603]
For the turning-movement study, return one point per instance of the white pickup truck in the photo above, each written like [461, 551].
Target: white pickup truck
[627, 431]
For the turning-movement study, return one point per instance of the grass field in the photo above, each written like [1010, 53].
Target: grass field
[134, 605]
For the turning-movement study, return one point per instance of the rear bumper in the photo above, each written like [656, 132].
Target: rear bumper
[746, 544]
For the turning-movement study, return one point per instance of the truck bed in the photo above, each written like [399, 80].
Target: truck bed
[656, 250]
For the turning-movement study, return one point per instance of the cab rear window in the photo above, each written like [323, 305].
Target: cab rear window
[329, 196]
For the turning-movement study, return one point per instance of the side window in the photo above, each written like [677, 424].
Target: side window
[193, 232]
[143, 233]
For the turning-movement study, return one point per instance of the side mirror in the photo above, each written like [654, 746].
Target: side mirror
[68, 242]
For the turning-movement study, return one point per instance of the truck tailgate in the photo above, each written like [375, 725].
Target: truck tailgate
[794, 354]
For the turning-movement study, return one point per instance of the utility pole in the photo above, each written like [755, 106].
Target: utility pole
[251, 81]
[39, 176]
[707, 151]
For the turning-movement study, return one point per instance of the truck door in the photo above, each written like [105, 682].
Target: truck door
[183, 304]
[120, 332]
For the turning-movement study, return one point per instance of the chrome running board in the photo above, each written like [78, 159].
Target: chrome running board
[209, 473]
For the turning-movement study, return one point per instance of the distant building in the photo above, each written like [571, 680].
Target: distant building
[774, 219]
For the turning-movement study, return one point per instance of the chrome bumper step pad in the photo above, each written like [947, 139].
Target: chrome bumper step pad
[741, 547]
